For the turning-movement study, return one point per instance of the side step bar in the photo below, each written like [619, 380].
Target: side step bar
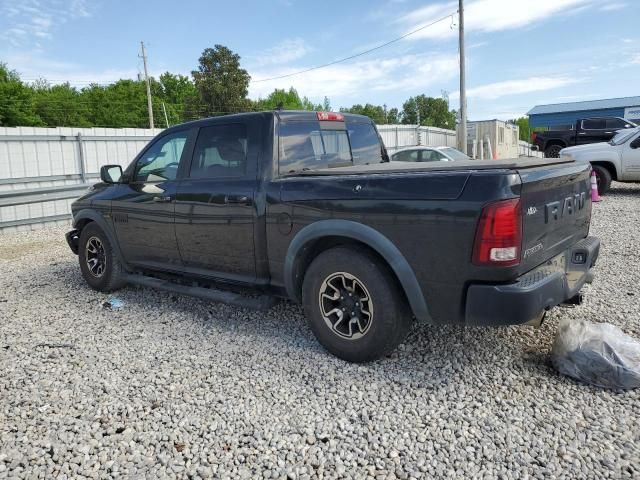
[261, 302]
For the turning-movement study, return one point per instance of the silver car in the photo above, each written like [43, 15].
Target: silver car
[428, 154]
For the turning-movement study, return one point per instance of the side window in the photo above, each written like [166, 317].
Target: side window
[406, 156]
[220, 151]
[305, 146]
[437, 156]
[615, 123]
[160, 162]
[593, 124]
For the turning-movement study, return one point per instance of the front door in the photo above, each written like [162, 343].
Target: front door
[631, 158]
[215, 204]
[143, 209]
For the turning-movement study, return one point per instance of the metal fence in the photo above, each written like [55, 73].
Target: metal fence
[43, 169]
[525, 150]
[400, 136]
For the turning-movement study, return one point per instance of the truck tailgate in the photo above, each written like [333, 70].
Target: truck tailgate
[556, 210]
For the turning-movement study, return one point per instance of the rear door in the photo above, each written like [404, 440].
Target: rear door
[215, 203]
[556, 210]
[593, 130]
[143, 209]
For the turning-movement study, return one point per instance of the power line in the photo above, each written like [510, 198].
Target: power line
[299, 72]
[351, 57]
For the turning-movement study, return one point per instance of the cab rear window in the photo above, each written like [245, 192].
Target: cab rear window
[306, 146]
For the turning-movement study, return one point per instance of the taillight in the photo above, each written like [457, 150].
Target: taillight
[534, 135]
[499, 234]
[330, 116]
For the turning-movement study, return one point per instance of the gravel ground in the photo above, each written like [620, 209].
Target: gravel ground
[171, 386]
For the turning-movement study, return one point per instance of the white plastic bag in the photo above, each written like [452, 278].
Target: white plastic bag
[597, 353]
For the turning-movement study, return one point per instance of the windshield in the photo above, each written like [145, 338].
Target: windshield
[623, 136]
[454, 154]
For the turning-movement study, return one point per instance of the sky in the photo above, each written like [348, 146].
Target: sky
[519, 53]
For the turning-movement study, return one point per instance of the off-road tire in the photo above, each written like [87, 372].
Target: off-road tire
[390, 320]
[112, 276]
[553, 151]
[603, 176]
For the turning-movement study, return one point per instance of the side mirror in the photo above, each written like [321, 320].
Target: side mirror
[635, 144]
[111, 173]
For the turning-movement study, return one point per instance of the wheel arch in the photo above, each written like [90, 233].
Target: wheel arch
[86, 216]
[325, 234]
[609, 166]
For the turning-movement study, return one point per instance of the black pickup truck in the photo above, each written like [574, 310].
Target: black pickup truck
[306, 205]
[584, 131]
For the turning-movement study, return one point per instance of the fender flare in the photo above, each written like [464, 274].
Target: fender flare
[92, 215]
[370, 237]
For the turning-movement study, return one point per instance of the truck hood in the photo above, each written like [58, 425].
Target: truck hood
[591, 147]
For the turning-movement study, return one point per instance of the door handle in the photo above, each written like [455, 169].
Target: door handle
[582, 133]
[237, 199]
[162, 199]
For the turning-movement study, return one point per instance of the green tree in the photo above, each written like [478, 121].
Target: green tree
[393, 116]
[434, 112]
[374, 112]
[289, 100]
[17, 101]
[281, 98]
[61, 105]
[309, 105]
[222, 85]
[523, 124]
[179, 95]
[121, 104]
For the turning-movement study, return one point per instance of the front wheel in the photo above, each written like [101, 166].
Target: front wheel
[354, 305]
[603, 179]
[99, 264]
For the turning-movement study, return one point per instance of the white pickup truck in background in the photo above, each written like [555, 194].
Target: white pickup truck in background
[618, 159]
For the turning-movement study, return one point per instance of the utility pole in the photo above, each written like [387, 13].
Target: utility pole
[166, 119]
[462, 140]
[146, 79]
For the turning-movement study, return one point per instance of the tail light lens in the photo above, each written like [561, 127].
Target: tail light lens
[499, 234]
[534, 135]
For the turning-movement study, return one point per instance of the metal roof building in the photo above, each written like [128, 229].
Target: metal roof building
[563, 114]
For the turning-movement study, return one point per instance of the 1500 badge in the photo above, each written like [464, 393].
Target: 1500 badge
[570, 205]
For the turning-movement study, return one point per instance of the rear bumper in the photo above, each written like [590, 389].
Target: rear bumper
[73, 238]
[526, 300]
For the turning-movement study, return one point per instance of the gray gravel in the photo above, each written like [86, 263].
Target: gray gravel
[169, 386]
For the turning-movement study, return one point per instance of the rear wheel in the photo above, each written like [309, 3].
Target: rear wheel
[553, 151]
[99, 264]
[603, 178]
[353, 305]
